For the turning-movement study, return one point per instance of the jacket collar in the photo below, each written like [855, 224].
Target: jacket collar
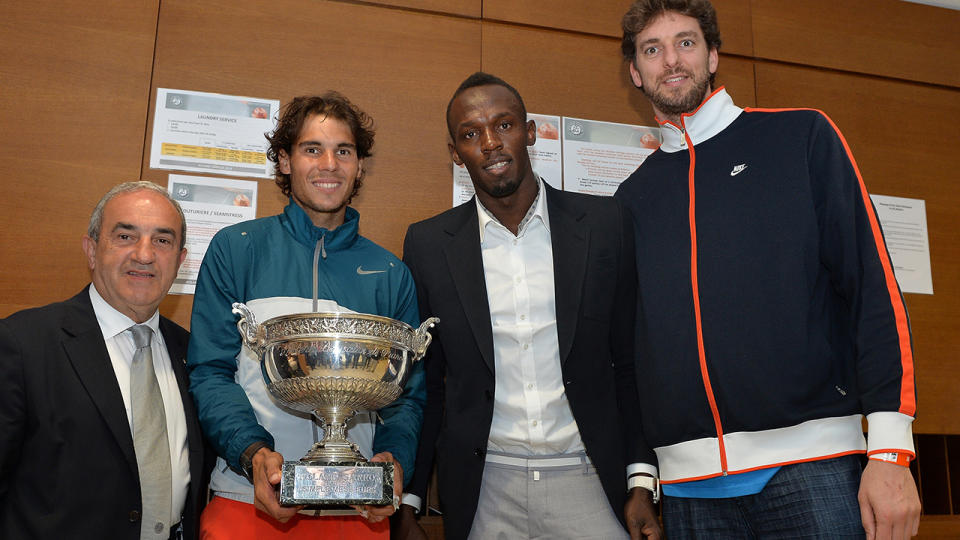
[710, 118]
[298, 224]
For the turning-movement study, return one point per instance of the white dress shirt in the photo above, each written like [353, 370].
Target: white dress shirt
[121, 349]
[531, 414]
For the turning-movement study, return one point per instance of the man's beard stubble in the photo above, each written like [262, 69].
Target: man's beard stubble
[686, 103]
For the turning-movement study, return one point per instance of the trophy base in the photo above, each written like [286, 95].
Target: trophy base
[336, 484]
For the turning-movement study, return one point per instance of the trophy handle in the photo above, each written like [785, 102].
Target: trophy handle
[250, 331]
[424, 337]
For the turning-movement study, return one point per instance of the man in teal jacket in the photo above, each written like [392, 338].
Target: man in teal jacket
[277, 265]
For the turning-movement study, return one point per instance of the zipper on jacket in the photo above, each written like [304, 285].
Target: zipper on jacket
[701, 353]
[318, 251]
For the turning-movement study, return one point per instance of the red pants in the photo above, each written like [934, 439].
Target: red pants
[225, 519]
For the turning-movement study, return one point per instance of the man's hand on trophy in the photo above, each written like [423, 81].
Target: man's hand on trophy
[267, 467]
[379, 513]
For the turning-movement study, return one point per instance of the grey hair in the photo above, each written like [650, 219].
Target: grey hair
[96, 219]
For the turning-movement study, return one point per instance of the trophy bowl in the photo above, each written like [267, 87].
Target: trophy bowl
[333, 365]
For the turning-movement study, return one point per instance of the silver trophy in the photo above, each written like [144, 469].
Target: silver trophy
[333, 365]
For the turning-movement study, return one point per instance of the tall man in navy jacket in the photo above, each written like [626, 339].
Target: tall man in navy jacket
[532, 410]
[771, 318]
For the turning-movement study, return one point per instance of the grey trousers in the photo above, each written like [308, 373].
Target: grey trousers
[546, 503]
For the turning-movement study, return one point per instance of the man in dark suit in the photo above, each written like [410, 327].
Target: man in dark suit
[532, 408]
[98, 435]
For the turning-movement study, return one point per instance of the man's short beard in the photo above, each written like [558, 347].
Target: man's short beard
[685, 104]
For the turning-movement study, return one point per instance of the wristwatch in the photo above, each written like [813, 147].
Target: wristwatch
[648, 483]
[246, 459]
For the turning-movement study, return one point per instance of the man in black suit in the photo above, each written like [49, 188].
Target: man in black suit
[72, 396]
[532, 407]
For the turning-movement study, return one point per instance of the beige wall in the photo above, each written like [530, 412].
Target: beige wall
[78, 80]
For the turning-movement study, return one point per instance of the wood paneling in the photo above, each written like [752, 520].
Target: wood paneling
[565, 74]
[899, 154]
[736, 28]
[399, 66]
[603, 18]
[73, 114]
[939, 527]
[466, 8]
[736, 75]
[883, 37]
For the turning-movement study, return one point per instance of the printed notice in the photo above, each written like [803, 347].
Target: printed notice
[598, 156]
[545, 157]
[904, 223]
[209, 204]
[212, 133]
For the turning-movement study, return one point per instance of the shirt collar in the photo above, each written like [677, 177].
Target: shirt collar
[711, 117]
[537, 210]
[304, 231]
[112, 322]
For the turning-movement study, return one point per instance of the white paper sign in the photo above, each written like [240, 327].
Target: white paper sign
[904, 223]
[212, 133]
[209, 204]
[598, 156]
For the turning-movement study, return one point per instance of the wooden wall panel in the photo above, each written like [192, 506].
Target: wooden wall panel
[603, 18]
[883, 37]
[736, 27]
[73, 114]
[737, 76]
[399, 66]
[563, 73]
[466, 8]
[599, 17]
[901, 155]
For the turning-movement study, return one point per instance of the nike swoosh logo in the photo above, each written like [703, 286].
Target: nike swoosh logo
[363, 272]
[738, 169]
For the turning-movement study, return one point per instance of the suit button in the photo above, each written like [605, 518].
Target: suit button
[134, 515]
[568, 383]
[479, 452]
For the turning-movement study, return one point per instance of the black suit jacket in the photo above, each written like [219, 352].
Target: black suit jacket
[595, 289]
[67, 463]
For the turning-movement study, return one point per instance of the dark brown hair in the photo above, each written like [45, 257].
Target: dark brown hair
[295, 113]
[643, 11]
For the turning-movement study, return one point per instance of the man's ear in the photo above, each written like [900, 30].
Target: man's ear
[531, 132]
[284, 159]
[90, 250]
[635, 74]
[453, 154]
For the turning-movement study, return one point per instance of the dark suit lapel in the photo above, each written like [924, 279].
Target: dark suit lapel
[465, 262]
[84, 346]
[570, 243]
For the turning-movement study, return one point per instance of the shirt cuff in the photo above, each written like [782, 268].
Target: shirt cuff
[411, 500]
[645, 468]
[890, 432]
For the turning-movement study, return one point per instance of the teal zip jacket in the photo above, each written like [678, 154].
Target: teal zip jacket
[274, 257]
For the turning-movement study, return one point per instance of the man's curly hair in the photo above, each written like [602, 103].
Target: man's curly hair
[642, 12]
[295, 113]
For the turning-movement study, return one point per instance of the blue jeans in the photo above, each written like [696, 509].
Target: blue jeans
[817, 499]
